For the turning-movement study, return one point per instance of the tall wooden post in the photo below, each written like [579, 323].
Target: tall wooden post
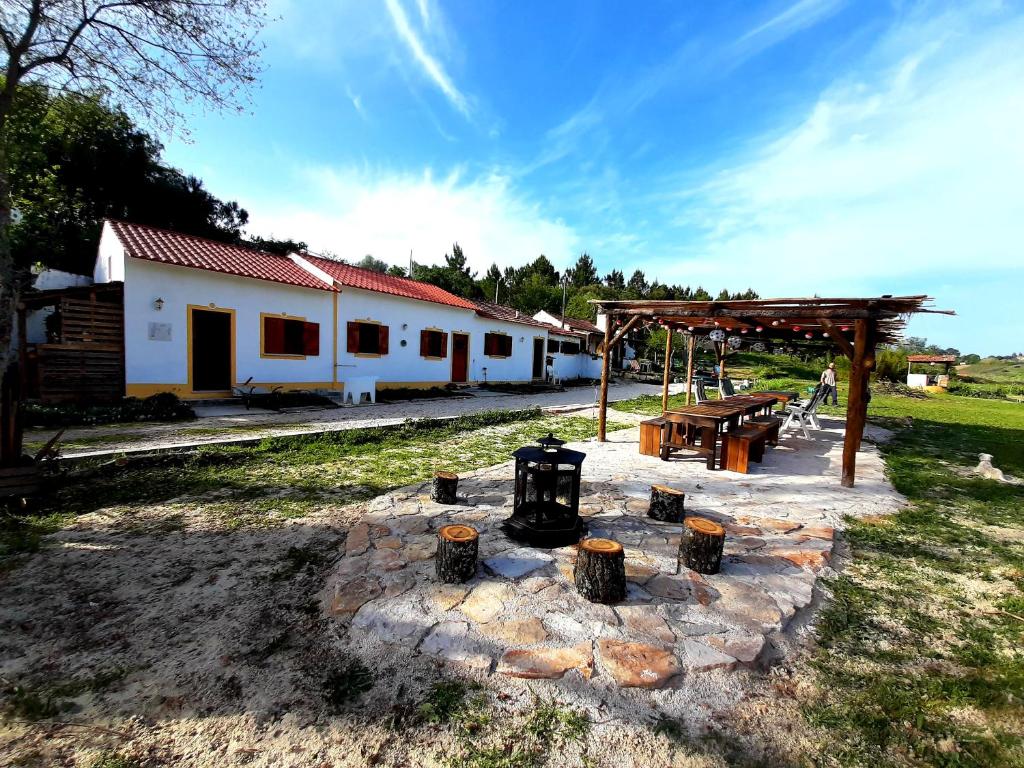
[606, 361]
[691, 353]
[668, 370]
[856, 400]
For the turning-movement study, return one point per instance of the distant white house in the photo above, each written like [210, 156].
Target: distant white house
[201, 317]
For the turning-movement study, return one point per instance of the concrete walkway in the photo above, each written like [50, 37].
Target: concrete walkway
[225, 424]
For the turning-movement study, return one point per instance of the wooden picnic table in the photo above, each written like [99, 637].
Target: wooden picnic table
[751, 404]
[784, 396]
[683, 427]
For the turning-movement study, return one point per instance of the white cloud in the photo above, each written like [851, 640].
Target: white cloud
[386, 214]
[795, 18]
[913, 169]
[430, 65]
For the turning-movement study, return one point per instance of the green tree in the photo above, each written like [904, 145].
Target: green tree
[153, 56]
[583, 272]
[615, 280]
[454, 277]
[74, 160]
[373, 264]
[637, 286]
[396, 270]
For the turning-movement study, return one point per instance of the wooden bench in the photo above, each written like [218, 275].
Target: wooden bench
[650, 436]
[746, 444]
[772, 426]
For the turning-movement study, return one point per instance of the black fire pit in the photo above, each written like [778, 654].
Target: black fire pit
[545, 510]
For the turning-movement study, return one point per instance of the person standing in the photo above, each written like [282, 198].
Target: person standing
[828, 383]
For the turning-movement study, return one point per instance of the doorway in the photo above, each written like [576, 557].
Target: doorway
[538, 358]
[460, 358]
[211, 356]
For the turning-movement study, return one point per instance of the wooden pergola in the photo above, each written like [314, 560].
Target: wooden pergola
[856, 326]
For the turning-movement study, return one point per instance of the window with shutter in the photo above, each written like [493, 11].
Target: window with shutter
[362, 338]
[570, 348]
[289, 337]
[552, 346]
[433, 344]
[497, 345]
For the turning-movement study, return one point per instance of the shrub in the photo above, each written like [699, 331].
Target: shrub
[891, 365]
[163, 406]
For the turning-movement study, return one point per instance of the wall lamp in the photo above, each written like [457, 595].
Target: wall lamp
[158, 304]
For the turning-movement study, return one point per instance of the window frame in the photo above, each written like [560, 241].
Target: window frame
[383, 336]
[500, 334]
[443, 344]
[264, 316]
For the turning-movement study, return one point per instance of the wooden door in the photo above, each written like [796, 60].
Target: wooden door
[538, 358]
[460, 358]
[211, 351]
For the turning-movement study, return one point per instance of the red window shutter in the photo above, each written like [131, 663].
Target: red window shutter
[444, 345]
[352, 337]
[311, 339]
[383, 336]
[488, 343]
[507, 346]
[425, 343]
[273, 336]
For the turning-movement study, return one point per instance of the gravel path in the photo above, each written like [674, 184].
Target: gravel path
[228, 423]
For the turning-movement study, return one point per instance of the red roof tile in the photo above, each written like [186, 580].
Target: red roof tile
[576, 324]
[508, 314]
[368, 280]
[166, 247]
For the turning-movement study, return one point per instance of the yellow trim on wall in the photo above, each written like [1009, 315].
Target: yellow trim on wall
[282, 316]
[432, 357]
[185, 393]
[188, 348]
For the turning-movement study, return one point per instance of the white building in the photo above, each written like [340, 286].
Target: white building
[201, 317]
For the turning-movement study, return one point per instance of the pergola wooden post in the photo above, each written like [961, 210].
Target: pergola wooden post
[862, 361]
[606, 361]
[691, 353]
[668, 369]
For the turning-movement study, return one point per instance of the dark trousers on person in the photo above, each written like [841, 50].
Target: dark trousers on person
[830, 390]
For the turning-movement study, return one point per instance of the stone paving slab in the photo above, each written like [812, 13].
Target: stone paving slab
[521, 616]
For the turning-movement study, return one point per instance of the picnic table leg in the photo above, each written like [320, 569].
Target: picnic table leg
[708, 441]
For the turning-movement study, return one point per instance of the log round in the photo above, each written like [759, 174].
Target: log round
[444, 487]
[601, 571]
[666, 504]
[457, 546]
[701, 547]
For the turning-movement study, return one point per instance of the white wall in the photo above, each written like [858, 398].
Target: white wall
[152, 363]
[405, 365]
[109, 267]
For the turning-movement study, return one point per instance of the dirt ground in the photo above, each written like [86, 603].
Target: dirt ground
[144, 643]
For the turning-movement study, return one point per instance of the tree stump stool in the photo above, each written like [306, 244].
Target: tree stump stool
[601, 571]
[666, 504]
[701, 547]
[457, 546]
[443, 489]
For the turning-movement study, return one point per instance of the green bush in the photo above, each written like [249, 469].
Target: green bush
[891, 365]
[163, 406]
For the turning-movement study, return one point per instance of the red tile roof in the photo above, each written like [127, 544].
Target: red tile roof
[931, 358]
[508, 314]
[166, 247]
[576, 324]
[368, 280]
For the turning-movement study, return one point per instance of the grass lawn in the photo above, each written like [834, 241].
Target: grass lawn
[286, 477]
[920, 651]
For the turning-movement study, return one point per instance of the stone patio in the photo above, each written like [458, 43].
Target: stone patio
[521, 617]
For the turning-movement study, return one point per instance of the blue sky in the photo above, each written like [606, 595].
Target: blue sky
[797, 147]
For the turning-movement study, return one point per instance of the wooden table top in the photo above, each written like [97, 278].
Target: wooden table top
[720, 411]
